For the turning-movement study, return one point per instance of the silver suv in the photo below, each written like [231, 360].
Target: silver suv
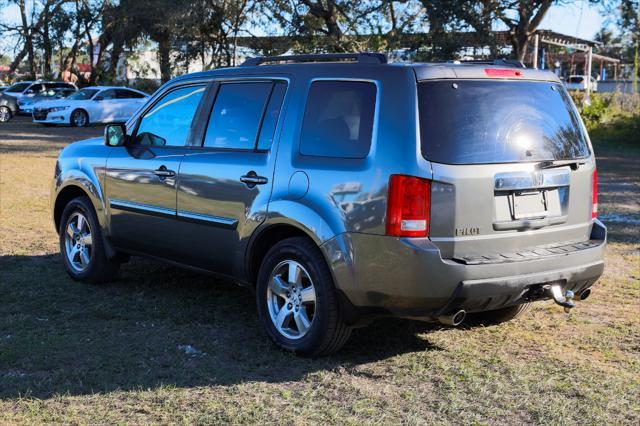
[342, 188]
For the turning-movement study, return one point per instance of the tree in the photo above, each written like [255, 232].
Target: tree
[28, 30]
[522, 18]
[334, 21]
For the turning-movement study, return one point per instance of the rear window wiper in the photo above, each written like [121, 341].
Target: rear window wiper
[560, 163]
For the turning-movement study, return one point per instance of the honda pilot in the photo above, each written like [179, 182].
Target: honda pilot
[341, 188]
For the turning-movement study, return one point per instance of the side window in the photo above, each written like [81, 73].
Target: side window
[237, 114]
[128, 94]
[106, 95]
[272, 113]
[168, 122]
[35, 88]
[338, 119]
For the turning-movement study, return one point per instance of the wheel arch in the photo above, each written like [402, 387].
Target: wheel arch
[265, 238]
[75, 190]
[63, 198]
[77, 186]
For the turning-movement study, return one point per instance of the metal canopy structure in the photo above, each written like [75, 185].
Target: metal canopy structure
[269, 45]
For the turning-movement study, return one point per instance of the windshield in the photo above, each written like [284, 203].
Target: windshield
[575, 79]
[83, 94]
[490, 121]
[18, 87]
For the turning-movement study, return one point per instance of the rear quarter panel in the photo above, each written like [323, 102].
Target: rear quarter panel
[327, 196]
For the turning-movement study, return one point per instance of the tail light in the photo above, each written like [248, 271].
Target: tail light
[408, 206]
[594, 195]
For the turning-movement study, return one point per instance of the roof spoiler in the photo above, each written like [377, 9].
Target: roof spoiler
[361, 58]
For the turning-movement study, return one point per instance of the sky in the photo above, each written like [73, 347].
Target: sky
[579, 19]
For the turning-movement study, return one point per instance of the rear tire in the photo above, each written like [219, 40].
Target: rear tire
[501, 315]
[299, 310]
[81, 244]
[5, 114]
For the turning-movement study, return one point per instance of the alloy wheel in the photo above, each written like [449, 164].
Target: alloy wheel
[5, 114]
[291, 299]
[78, 242]
[79, 119]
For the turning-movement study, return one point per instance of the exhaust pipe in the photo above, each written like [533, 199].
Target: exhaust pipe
[584, 294]
[454, 318]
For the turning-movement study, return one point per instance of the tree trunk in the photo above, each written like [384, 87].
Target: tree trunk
[28, 39]
[164, 57]
[116, 51]
[46, 43]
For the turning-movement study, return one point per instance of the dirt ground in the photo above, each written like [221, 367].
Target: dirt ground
[165, 345]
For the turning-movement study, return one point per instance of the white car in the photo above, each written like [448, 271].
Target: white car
[579, 82]
[95, 104]
[30, 89]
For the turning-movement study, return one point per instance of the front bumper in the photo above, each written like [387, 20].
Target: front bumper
[57, 117]
[406, 277]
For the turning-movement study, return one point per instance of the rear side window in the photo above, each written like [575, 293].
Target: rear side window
[237, 114]
[338, 119]
[168, 122]
[489, 121]
[128, 94]
[270, 121]
[106, 95]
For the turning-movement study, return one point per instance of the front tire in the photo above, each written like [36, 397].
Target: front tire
[81, 244]
[79, 118]
[297, 300]
[5, 114]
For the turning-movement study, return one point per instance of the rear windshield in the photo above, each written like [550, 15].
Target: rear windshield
[489, 121]
[575, 79]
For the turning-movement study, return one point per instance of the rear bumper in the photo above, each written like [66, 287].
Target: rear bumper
[379, 275]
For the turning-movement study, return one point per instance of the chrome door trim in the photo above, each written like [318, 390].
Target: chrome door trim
[223, 222]
[130, 206]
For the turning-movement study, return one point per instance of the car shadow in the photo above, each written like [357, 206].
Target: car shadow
[156, 325]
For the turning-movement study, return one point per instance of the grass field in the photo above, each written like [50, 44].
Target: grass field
[72, 353]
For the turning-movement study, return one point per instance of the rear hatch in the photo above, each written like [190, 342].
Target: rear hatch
[511, 165]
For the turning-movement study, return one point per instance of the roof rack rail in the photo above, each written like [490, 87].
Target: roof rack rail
[361, 58]
[504, 62]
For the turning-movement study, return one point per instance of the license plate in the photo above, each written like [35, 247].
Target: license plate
[529, 205]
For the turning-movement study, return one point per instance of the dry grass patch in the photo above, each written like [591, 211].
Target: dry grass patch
[71, 353]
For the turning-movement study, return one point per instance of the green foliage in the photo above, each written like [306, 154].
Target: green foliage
[611, 118]
[147, 85]
[622, 130]
[594, 111]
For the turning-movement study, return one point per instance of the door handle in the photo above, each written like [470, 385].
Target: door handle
[251, 179]
[163, 172]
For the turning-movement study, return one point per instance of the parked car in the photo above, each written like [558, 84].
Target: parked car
[26, 103]
[91, 105]
[579, 82]
[8, 107]
[484, 172]
[28, 89]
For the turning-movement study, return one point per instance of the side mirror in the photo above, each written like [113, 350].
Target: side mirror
[115, 135]
[98, 98]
